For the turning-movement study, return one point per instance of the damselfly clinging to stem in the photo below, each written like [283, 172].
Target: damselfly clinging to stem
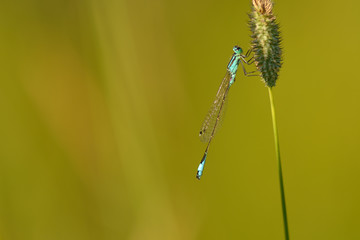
[214, 117]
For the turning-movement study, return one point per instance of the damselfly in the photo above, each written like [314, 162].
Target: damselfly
[214, 117]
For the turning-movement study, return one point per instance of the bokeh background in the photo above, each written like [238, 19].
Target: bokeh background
[101, 103]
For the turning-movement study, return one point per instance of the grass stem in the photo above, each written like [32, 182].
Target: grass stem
[277, 151]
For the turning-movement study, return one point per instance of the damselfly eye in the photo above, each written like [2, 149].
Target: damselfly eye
[237, 49]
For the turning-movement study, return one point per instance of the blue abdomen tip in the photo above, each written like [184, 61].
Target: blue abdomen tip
[201, 167]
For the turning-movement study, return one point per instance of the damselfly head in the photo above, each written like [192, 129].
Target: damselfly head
[237, 50]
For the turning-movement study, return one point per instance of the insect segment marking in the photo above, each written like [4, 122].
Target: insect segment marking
[201, 166]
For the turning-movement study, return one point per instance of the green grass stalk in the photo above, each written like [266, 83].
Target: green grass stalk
[277, 151]
[266, 45]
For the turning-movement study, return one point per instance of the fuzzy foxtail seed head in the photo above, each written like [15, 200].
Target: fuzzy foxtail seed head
[266, 40]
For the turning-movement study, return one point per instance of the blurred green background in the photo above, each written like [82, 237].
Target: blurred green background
[101, 103]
